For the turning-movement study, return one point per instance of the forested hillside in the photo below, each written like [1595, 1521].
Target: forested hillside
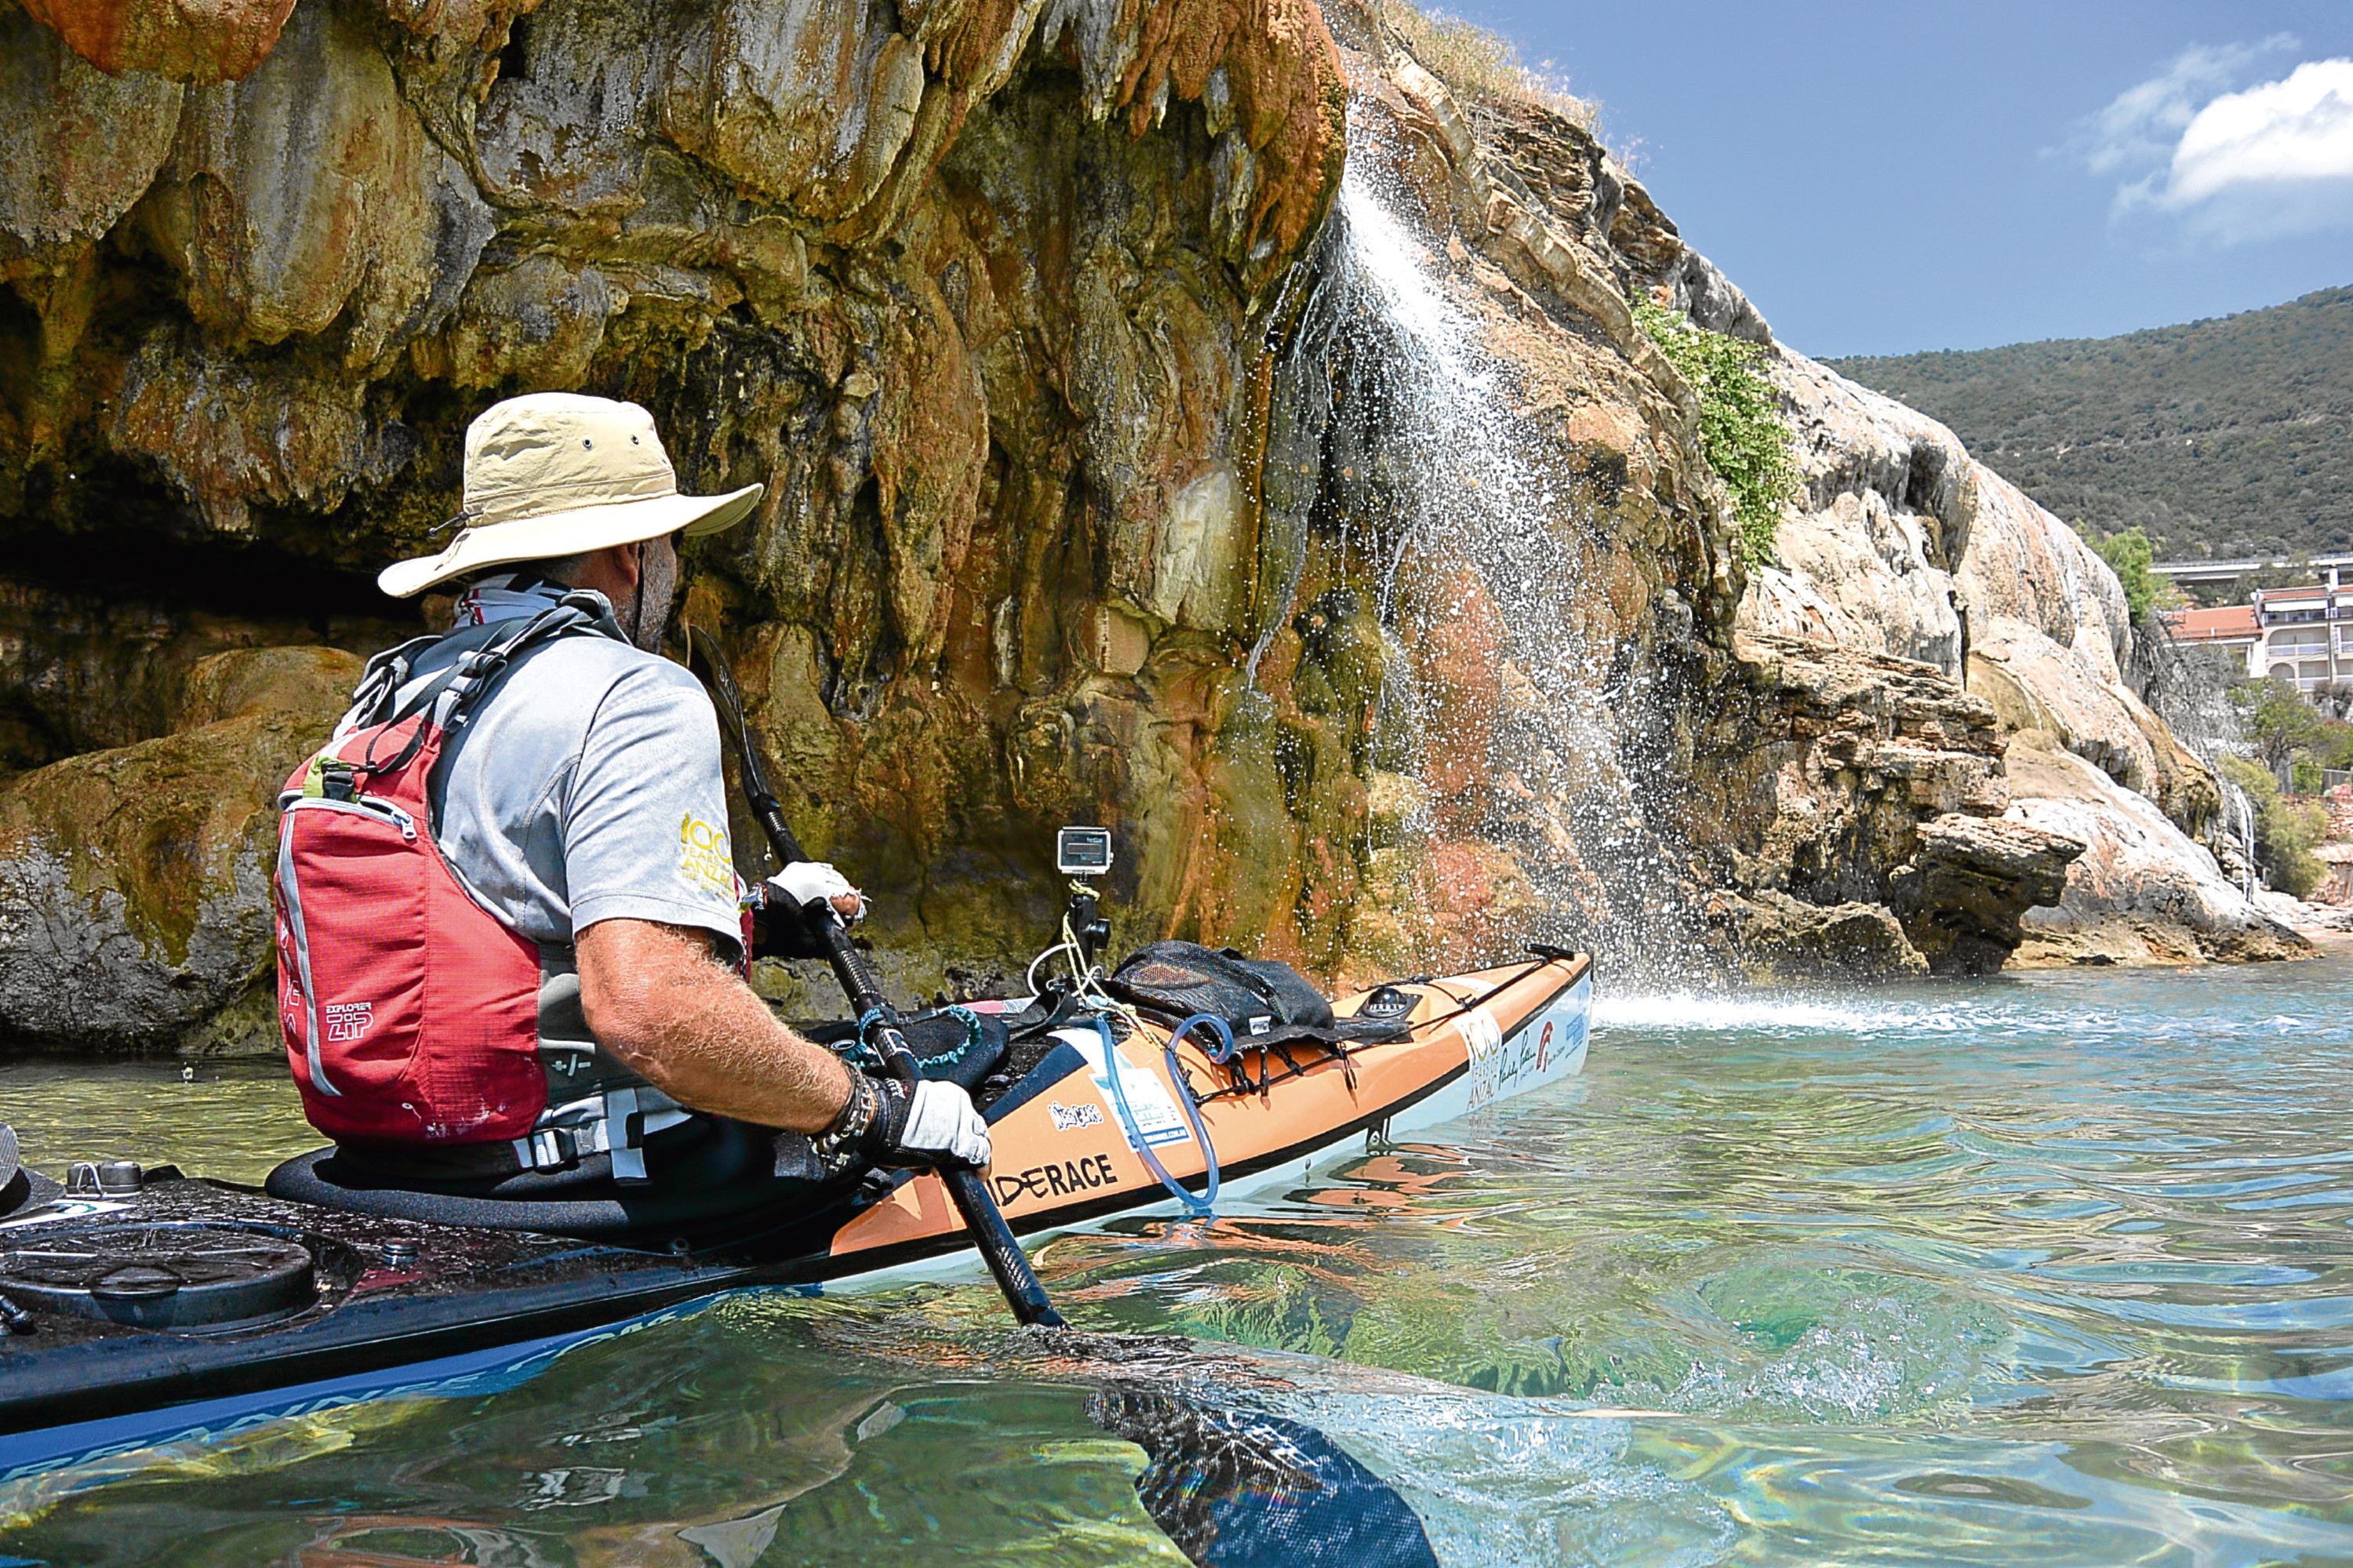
[2227, 436]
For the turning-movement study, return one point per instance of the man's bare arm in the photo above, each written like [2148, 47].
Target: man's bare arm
[656, 998]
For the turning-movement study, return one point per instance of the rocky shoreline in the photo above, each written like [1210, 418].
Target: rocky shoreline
[1082, 501]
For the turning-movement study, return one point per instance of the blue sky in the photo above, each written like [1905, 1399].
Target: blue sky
[1887, 177]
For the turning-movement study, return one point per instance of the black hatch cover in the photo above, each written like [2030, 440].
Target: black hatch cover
[157, 1276]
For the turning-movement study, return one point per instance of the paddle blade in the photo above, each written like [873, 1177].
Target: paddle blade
[1236, 1487]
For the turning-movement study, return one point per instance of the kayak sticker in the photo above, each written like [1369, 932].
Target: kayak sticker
[1157, 1117]
[1548, 1045]
[1055, 1178]
[1484, 1037]
[1070, 1118]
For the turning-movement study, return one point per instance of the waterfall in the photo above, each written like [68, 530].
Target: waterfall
[1397, 442]
[2241, 812]
[2191, 693]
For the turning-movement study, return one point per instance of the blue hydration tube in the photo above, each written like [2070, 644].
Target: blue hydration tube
[1207, 1202]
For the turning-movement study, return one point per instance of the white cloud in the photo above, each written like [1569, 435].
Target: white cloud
[2283, 133]
[2273, 158]
[2145, 122]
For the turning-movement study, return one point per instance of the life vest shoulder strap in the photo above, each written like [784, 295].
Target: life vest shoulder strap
[483, 653]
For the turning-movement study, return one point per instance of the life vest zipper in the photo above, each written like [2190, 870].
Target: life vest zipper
[375, 806]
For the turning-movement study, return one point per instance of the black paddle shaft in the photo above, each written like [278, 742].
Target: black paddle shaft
[982, 1218]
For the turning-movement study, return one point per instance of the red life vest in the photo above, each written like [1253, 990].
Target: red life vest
[410, 1012]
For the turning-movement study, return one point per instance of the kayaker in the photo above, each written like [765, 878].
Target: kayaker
[545, 987]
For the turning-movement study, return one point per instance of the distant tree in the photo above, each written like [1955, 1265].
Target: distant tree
[2285, 831]
[2130, 555]
[2334, 748]
[2294, 570]
[2277, 722]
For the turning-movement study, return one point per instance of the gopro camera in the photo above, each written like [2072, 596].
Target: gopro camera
[1082, 852]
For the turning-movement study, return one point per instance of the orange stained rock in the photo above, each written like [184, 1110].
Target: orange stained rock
[185, 40]
[1289, 95]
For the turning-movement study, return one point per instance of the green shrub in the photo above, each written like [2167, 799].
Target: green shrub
[2130, 554]
[1740, 424]
[2333, 748]
[2284, 832]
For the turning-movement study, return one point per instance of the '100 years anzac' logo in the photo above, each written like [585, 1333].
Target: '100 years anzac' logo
[705, 856]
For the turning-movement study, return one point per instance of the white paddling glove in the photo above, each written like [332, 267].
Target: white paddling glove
[808, 881]
[888, 1124]
[790, 908]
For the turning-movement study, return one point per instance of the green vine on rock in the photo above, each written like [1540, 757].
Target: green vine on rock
[1740, 426]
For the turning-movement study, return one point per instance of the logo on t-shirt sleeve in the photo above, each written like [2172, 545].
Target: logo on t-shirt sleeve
[706, 858]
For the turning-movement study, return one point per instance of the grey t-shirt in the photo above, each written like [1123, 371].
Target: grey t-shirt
[587, 788]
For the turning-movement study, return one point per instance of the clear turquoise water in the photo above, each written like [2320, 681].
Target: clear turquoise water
[2050, 1270]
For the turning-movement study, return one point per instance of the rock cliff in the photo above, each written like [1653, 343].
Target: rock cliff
[1343, 543]
[1905, 545]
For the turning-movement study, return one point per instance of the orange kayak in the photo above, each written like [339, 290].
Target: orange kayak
[240, 1302]
[1066, 1155]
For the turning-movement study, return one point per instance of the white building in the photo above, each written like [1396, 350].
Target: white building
[2302, 634]
[2307, 632]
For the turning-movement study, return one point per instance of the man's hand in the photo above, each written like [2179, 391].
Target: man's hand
[932, 1124]
[656, 997]
[888, 1124]
[808, 881]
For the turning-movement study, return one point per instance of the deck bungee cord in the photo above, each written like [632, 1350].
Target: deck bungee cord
[1086, 985]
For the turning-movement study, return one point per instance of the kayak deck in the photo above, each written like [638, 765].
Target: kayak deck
[384, 1293]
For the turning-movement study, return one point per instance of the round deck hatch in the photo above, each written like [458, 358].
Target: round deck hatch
[158, 1275]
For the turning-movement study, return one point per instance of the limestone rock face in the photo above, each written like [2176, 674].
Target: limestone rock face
[150, 926]
[1867, 558]
[1785, 938]
[1906, 544]
[1088, 497]
[1971, 882]
[1875, 779]
[180, 40]
[2143, 892]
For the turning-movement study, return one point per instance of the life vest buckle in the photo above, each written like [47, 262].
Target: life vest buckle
[551, 1148]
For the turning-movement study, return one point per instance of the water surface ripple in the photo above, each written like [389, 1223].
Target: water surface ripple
[2049, 1269]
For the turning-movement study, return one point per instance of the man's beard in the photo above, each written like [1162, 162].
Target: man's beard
[657, 587]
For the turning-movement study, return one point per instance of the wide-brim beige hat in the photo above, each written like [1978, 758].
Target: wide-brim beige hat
[558, 474]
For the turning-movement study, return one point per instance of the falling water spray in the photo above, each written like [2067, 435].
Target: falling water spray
[1397, 432]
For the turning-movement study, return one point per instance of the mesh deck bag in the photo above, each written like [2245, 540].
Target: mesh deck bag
[1262, 1002]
